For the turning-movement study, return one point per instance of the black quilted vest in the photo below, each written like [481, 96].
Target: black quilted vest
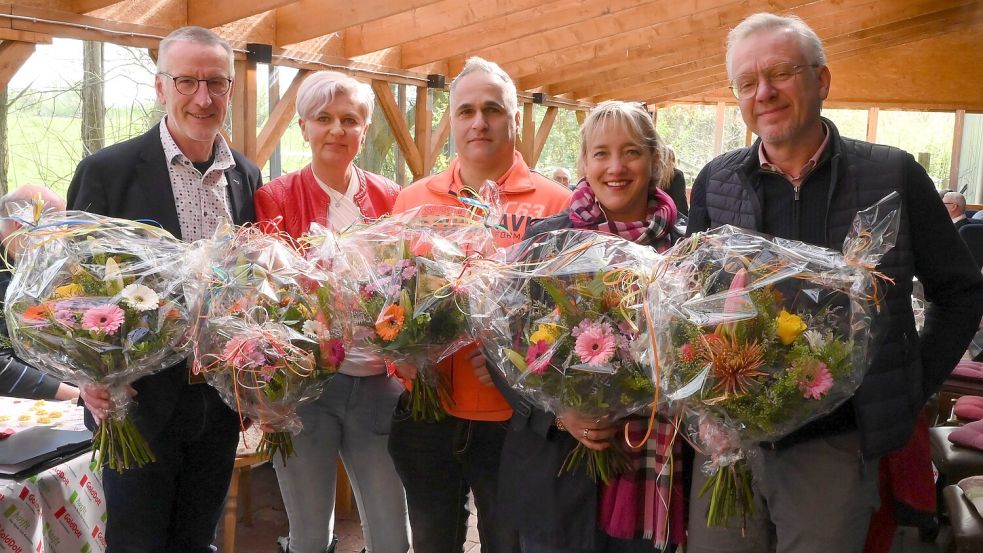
[861, 173]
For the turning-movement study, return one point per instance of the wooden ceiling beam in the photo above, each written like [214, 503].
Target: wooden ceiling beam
[214, 13]
[278, 121]
[837, 50]
[401, 131]
[697, 73]
[13, 54]
[705, 30]
[594, 83]
[83, 27]
[86, 6]
[307, 19]
[507, 29]
[675, 20]
[427, 22]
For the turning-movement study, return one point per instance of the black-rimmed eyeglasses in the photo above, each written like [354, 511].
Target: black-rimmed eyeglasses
[779, 75]
[217, 86]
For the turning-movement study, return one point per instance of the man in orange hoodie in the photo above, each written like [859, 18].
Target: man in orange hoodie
[440, 462]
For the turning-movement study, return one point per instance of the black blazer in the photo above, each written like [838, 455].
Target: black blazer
[130, 180]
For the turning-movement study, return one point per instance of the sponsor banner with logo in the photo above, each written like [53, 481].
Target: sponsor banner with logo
[62, 509]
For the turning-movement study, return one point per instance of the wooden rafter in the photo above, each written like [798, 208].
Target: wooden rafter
[512, 28]
[213, 13]
[86, 6]
[665, 53]
[425, 22]
[307, 19]
[279, 120]
[82, 27]
[439, 137]
[401, 131]
[849, 45]
[13, 54]
[543, 132]
[667, 70]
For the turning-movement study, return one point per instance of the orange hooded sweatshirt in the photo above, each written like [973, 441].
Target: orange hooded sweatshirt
[525, 196]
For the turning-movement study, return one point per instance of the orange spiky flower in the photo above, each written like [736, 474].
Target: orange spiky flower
[734, 365]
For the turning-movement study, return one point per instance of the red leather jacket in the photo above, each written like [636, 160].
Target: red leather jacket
[298, 200]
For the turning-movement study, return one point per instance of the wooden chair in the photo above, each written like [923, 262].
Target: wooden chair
[246, 459]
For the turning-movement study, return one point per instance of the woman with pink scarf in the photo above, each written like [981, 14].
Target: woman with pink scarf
[642, 510]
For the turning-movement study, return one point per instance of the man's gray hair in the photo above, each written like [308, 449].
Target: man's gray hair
[957, 198]
[198, 35]
[812, 46]
[480, 64]
[320, 89]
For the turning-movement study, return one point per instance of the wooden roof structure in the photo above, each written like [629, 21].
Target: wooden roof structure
[920, 54]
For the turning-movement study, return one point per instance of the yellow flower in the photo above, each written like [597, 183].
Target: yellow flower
[789, 327]
[547, 332]
[68, 291]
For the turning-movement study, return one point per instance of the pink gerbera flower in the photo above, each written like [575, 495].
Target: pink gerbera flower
[103, 318]
[595, 345]
[336, 352]
[538, 357]
[816, 380]
[243, 353]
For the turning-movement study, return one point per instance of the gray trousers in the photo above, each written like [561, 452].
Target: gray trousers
[814, 497]
[352, 419]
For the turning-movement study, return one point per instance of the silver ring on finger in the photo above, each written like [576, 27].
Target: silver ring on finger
[586, 432]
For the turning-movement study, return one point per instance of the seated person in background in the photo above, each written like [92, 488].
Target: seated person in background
[561, 176]
[955, 204]
[18, 379]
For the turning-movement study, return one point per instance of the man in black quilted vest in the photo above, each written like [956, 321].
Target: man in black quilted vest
[817, 488]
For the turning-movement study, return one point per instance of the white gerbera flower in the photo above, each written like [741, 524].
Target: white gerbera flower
[140, 297]
[313, 328]
[815, 339]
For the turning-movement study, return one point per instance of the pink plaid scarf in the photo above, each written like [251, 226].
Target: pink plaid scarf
[587, 213]
[647, 501]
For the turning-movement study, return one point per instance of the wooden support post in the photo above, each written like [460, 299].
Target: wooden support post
[957, 147]
[718, 130]
[280, 118]
[581, 116]
[13, 54]
[528, 133]
[424, 122]
[439, 138]
[543, 133]
[872, 114]
[244, 108]
[401, 131]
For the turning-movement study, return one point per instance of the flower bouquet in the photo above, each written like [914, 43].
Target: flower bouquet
[408, 295]
[559, 322]
[102, 301]
[759, 336]
[270, 331]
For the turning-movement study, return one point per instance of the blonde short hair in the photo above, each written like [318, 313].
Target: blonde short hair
[320, 89]
[812, 46]
[633, 118]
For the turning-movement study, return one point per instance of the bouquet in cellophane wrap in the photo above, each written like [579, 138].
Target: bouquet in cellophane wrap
[103, 301]
[561, 322]
[409, 302]
[270, 329]
[756, 337]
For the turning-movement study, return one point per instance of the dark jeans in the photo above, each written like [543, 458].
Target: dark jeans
[438, 463]
[174, 503]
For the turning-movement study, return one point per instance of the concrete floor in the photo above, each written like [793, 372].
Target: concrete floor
[269, 521]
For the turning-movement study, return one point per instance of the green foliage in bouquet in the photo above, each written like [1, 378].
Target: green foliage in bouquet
[107, 319]
[576, 355]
